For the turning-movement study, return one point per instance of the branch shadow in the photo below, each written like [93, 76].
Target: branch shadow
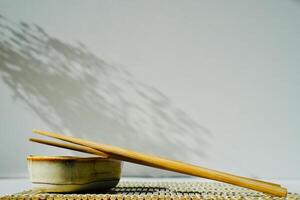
[74, 91]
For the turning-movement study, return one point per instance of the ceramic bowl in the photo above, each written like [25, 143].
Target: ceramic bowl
[70, 174]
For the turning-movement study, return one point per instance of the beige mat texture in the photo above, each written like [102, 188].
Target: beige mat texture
[158, 190]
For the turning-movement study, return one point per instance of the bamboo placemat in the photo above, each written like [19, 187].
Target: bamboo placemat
[127, 190]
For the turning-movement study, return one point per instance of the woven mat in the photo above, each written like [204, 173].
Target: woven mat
[158, 190]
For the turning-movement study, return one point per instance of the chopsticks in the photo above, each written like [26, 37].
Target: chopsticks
[103, 155]
[71, 147]
[109, 151]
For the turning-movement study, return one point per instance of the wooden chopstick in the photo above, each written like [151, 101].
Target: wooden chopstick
[71, 147]
[104, 155]
[171, 165]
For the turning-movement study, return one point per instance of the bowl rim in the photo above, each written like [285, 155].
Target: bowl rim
[63, 158]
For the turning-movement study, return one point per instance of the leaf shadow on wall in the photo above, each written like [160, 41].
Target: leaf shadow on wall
[74, 91]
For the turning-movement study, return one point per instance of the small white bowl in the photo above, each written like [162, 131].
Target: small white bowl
[70, 174]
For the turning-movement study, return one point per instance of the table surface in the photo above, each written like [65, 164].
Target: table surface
[14, 185]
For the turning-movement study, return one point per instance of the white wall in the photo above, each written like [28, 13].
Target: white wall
[214, 83]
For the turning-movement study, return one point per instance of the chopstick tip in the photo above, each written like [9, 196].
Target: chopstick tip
[38, 131]
[35, 130]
